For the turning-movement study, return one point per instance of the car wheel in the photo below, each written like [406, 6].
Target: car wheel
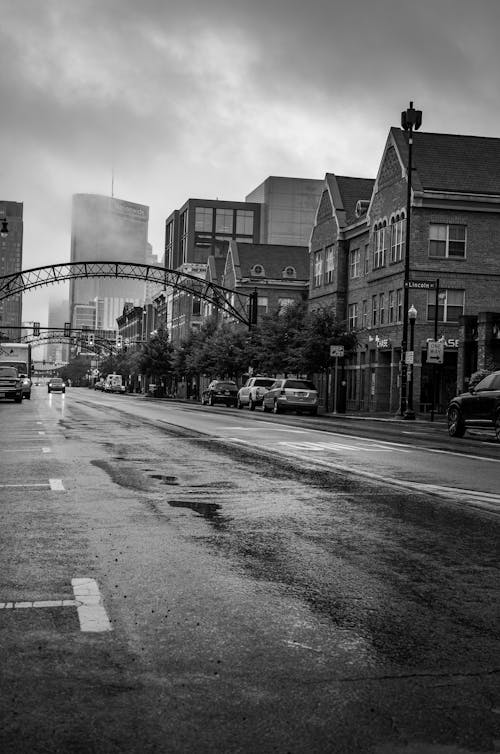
[18, 399]
[251, 404]
[497, 426]
[456, 426]
[276, 408]
[314, 412]
[239, 404]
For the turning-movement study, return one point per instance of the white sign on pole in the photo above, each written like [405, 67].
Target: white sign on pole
[337, 351]
[409, 357]
[435, 352]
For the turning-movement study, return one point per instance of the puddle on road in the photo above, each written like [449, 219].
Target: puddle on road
[206, 510]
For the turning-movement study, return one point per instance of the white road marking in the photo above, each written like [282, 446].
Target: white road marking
[340, 446]
[26, 484]
[91, 612]
[259, 429]
[88, 602]
[56, 485]
[41, 433]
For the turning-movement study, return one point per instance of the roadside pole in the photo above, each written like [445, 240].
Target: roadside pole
[336, 352]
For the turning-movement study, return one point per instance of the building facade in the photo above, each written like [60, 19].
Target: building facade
[288, 208]
[11, 261]
[454, 268]
[107, 229]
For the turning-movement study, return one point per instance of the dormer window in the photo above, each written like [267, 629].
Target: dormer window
[289, 272]
[257, 271]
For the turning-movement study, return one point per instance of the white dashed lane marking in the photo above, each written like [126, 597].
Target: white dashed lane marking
[56, 485]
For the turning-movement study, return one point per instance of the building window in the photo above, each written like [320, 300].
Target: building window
[330, 264]
[318, 268]
[399, 305]
[203, 219]
[169, 245]
[354, 263]
[391, 306]
[184, 236]
[262, 304]
[289, 272]
[224, 221]
[380, 239]
[244, 222]
[353, 316]
[447, 240]
[374, 311]
[257, 271]
[450, 305]
[365, 314]
[398, 234]
[381, 309]
[367, 259]
[196, 307]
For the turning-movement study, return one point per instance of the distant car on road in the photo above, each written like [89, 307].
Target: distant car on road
[220, 391]
[479, 407]
[291, 395]
[11, 384]
[252, 392]
[56, 385]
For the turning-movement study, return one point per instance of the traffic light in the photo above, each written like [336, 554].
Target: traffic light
[36, 328]
[91, 341]
[67, 329]
[119, 341]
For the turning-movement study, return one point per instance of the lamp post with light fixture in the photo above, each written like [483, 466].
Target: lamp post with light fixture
[412, 316]
[411, 119]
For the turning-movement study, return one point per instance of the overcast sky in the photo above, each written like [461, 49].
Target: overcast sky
[206, 98]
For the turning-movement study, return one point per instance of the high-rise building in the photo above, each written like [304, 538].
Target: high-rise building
[106, 229]
[57, 352]
[11, 260]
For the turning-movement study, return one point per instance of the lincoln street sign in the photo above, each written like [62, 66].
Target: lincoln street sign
[426, 285]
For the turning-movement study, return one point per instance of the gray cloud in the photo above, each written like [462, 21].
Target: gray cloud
[208, 97]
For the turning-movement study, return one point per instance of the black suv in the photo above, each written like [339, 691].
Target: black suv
[479, 407]
[220, 391]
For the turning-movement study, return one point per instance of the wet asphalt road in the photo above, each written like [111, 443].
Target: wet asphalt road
[256, 606]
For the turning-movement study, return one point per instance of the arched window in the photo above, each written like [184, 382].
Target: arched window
[289, 272]
[398, 231]
[257, 271]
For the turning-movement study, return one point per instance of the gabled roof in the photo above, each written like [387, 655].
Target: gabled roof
[451, 162]
[273, 258]
[345, 192]
[215, 268]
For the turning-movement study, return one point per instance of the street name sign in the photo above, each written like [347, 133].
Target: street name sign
[426, 285]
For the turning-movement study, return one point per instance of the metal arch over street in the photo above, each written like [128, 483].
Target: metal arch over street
[236, 304]
[50, 338]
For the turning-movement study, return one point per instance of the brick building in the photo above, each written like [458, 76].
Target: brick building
[357, 266]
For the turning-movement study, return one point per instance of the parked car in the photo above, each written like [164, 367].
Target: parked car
[252, 392]
[11, 384]
[291, 395]
[479, 407]
[220, 391]
[56, 385]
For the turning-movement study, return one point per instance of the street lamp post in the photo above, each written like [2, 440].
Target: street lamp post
[410, 119]
[412, 316]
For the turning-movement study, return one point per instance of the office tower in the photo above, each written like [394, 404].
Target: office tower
[11, 260]
[106, 229]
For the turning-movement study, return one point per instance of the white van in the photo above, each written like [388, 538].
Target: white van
[114, 384]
